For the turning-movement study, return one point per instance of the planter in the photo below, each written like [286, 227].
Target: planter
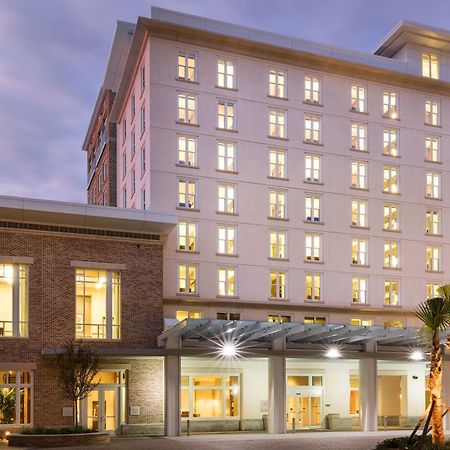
[58, 440]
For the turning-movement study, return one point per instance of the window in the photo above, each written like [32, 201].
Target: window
[312, 89]
[14, 301]
[359, 175]
[124, 163]
[142, 120]
[226, 115]
[278, 284]
[143, 161]
[391, 217]
[143, 199]
[277, 163]
[312, 208]
[187, 278]
[225, 74]
[97, 304]
[142, 79]
[313, 247]
[124, 130]
[187, 108]
[124, 197]
[187, 150]
[277, 248]
[433, 223]
[133, 144]
[359, 213]
[391, 294]
[312, 168]
[359, 290]
[226, 198]
[226, 240]
[390, 180]
[390, 105]
[226, 156]
[391, 255]
[183, 315]
[390, 142]
[433, 256]
[359, 99]
[312, 129]
[16, 390]
[431, 113]
[432, 289]
[277, 84]
[430, 66]
[277, 204]
[359, 252]
[432, 152]
[361, 322]
[133, 182]
[315, 320]
[227, 281]
[394, 323]
[228, 316]
[433, 188]
[133, 106]
[277, 123]
[313, 283]
[187, 236]
[105, 171]
[187, 194]
[359, 137]
[278, 318]
[186, 66]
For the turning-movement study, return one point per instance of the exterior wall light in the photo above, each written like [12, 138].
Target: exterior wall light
[417, 355]
[228, 350]
[333, 352]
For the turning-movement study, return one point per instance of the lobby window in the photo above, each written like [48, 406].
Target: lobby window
[432, 289]
[433, 258]
[183, 315]
[359, 252]
[310, 320]
[359, 290]
[391, 293]
[133, 144]
[226, 115]
[277, 248]
[312, 208]
[433, 187]
[226, 194]
[228, 316]
[226, 156]
[361, 322]
[313, 247]
[394, 323]
[277, 123]
[187, 150]
[432, 152]
[313, 284]
[187, 236]
[359, 137]
[187, 108]
[312, 89]
[391, 217]
[278, 318]
[359, 213]
[390, 105]
[143, 161]
[278, 284]
[225, 74]
[433, 221]
[312, 129]
[187, 278]
[312, 168]
[277, 163]
[390, 180]
[226, 240]
[187, 194]
[142, 120]
[391, 255]
[430, 66]
[359, 175]
[390, 142]
[277, 84]
[187, 66]
[358, 99]
[432, 113]
[143, 199]
[227, 281]
[97, 304]
[16, 389]
[277, 204]
[14, 300]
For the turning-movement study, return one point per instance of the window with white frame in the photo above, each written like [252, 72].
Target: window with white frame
[143, 162]
[313, 247]
[187, 236]
[390, 105]
[124, 197]
[359, 136]
[312, 129]
[143, 199]
[312, 207]
[390, 180]
[430, 66]
[226, 194]
[312, 168]
[313, 285]
[277, 318]
[315, 320]
[187, 108]
[226, 115]
[432, 112]
[226, 240]
[433, 187]
[432, 151]
[359, 251]
[225, 74]
[391, 293]
[187, 150]
[183, 315]
[187, 194]
[359, 290]
[358, 98]
[142, 120]
[359, 213]
[16, 390]
[312, 89]
[187, 278]
[432, 289]
[133, 181]
[277, 123]
[226, 156]
[277, 84]
[433, 258]
[226, 281]
[359, 175]
[390, 142]
[278, 284]
[133, 144]
[391, 255]
[228, 316]
[142, 78]
[432, 221]
[277, 163]
[187, 66]
[277, 204]
[277, 244]
[357, 322]
[391, 217]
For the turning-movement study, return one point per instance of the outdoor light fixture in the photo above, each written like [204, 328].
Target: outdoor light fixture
[417, 355]
[333, 352]
[228, 350]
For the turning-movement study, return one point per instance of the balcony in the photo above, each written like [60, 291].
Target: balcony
[98, 153]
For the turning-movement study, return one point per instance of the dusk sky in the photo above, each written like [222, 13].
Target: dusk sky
[53, 56]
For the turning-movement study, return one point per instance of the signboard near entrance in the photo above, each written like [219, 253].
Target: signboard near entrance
[67, 411]
[135, 410]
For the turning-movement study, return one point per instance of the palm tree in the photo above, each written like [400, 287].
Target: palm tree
[435, 315]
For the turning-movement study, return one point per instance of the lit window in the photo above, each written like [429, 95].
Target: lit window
[277, 163]
[187, 194]
[391, 294]
[97, 304]
[390, 180]
[226, 115]
[313, 247]
[14, 301]
[187, 279]
[277, 204]
[183, 315]
[142, 120]
[187, 150]
[361, 322]
[277, 123]
[142, 78]
[433, 188]
[278, 284]
[359, 252]
[133, 182]
[133, 144]
[312, 168]
[432, 289]
[312, 89]
[226, 240]
[227, 281]
[187, 236]
[359, 175]
[433, 223]
[312, 129]
[313, 283]
[390, 105]
[278, 319]
[277, 84]
[391, 255]
[359, 137]
[143, 161]
[394, 323]
[359, 213]
[390, 142]
[359, 98]
[312, 208]
[277, 247]
[186, 66]
[187, 108]
[430, 66]
[143, 199]
[432, 149]
[16, 389]
[226, 198]
[391, 217]
[433, 263]
[431, 113]
[315, 320]
[226, 156]
[225, 74]
[124, 197]
[359, 290]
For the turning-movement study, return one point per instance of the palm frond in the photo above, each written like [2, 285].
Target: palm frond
[434, 313]
[444, 291]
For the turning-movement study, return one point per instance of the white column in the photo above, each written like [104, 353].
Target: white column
[368, 412]
[172, 370]
[277, 394]
[446, 391]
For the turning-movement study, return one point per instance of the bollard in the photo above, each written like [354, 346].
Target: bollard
[188, 427]
[385, 422]
[293, 424]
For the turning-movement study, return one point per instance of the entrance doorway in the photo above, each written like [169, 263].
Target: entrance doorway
[305, 410]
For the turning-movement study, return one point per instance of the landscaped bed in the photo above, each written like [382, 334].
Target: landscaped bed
[402, 443]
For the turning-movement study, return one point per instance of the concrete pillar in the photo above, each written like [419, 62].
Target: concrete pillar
[368, 412]
[172, 369]
[277, 394]
[446, 391]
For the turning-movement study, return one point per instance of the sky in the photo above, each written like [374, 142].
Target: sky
[53, 56]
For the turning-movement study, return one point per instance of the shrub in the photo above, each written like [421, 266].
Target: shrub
[401, 443]
[66, 430]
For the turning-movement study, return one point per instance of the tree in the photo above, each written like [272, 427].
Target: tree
[435, 315]
[7, 405]
[77, 367]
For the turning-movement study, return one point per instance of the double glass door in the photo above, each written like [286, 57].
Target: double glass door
[305, 409]
[102, 409]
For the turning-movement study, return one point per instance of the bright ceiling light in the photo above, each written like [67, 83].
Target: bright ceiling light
[333, 352]
[417, 355]
[228, 350]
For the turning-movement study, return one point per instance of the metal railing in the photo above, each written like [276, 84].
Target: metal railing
[96, 331]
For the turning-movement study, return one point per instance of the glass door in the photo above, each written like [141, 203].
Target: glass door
[92, 410]
[109, 415]
[101, 408]
[305, 409]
